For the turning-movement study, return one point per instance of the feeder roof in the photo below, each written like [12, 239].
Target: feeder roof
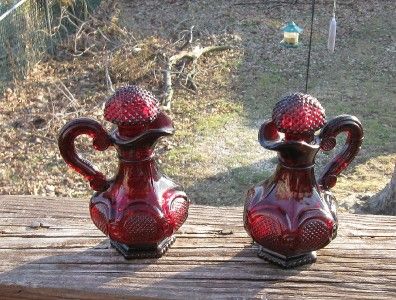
[292, 27]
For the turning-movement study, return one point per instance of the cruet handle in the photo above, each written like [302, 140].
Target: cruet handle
[101, 141]
[354, 131]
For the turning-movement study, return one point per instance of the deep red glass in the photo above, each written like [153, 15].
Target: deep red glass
[291, 214]
[139, 209]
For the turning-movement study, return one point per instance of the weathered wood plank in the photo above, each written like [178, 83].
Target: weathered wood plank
[49, 248]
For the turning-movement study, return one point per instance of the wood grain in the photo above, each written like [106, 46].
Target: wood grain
[49, 248]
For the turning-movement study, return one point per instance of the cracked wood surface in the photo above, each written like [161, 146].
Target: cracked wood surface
[49, 248]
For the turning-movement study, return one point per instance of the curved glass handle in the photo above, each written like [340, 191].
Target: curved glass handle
[354, 130]
[101, 141]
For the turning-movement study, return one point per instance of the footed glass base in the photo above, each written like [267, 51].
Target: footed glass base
[284, 261]
[154, 251]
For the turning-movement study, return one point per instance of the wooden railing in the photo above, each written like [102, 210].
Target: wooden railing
[49, 248]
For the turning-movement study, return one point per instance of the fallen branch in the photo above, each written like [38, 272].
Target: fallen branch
[192, 55]
[109, 83]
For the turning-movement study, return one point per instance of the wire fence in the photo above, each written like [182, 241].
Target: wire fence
[31, 28]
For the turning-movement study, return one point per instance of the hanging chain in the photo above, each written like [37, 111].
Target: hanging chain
[309, 46]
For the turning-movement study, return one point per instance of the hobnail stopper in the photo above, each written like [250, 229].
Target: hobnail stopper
[298, 114]
[131, 105]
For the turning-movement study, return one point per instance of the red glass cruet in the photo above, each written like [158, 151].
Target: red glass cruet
[139, 209]
[291, 214]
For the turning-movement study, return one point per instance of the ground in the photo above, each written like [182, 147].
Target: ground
[214, 153]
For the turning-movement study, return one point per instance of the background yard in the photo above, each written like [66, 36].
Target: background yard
[214, 153]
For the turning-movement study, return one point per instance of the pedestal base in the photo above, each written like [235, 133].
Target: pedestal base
[284, 261]
[155, 251]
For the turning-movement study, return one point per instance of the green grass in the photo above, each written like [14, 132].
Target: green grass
[271, 80]
[213, 123]
[245, 177]
[185, 153]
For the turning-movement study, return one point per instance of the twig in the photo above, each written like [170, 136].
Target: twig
[78, 34]
[40, 136]
[49, 123]
[105, 37]
[71, 96]
[109, 83]
[177, 26]
[188, 89]
[168, 90]
[66, 92]
[190, 77]
[88, 37]
[85, 51]
[189, 40]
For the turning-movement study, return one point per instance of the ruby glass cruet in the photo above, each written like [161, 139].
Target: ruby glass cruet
[291, 214]
[139, 209]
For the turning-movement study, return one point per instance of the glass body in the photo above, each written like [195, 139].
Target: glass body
[139, 208]
[291, 214]
[288, 213]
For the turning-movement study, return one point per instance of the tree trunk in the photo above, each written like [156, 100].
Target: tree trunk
[384, 202]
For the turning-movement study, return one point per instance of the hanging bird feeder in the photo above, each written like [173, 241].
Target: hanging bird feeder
[291, 33]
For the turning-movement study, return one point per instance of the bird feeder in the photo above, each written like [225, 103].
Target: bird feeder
[291, 33]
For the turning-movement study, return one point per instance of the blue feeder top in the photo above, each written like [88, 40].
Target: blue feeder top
[292, 27]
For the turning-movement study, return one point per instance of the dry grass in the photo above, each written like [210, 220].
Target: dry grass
[135, 64]
[368, 177]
